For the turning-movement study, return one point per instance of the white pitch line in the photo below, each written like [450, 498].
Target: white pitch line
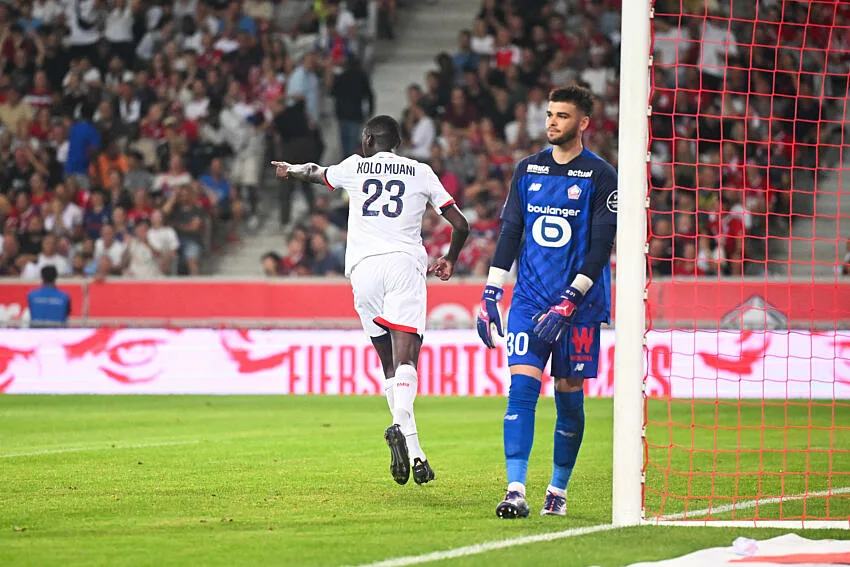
[754, 503]
[487, 546]
[103, 448]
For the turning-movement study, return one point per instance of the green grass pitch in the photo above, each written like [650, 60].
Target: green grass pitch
[305, 481]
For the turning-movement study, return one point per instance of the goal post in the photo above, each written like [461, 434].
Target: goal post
[631, 262]
[732, 359]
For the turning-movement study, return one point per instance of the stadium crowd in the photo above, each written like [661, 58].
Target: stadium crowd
[133, 133]
[737, 133]
[730, 138]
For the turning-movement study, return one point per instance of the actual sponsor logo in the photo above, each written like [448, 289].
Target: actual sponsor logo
[579, 173]
[534, 168]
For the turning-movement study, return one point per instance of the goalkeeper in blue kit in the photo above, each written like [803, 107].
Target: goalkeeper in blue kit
[564, 199]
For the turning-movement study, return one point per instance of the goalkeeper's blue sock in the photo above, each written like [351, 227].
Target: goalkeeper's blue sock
[569, 430]
[519, 427]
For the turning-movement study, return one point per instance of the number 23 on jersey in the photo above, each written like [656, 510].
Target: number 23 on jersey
[374, 188]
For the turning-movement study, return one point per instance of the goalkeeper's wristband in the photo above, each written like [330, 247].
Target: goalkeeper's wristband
[492, 293]
[497, 277]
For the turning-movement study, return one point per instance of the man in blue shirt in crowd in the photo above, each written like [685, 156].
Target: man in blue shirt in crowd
[565, 201]
[48, 305]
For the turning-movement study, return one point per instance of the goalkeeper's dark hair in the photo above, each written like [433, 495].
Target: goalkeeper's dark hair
[385, 133]
[579, 96]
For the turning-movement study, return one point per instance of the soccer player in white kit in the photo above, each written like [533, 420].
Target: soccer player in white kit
[387, 265]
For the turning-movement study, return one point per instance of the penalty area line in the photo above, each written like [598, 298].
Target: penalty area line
[99, 448]
[487, 546]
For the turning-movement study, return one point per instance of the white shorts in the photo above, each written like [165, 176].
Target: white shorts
[390, 293]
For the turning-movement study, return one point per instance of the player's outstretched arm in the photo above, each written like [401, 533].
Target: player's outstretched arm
[300, 171]
[444, 267]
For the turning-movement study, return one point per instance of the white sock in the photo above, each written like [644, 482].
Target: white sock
[557, 491]
[388, 391]
[404, 392]
[413, 448]
[518, 487]
[405, 384]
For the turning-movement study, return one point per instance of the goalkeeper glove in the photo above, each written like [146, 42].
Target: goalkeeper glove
[488, 315]
[552, 322]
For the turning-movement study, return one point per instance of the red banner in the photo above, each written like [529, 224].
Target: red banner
[13, 299]
[322, 302]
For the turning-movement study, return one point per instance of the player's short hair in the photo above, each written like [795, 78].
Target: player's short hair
[385, 131]
[579, 96]
[49, 274]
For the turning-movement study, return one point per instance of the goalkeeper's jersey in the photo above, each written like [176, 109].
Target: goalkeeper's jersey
[558, 207]
[388, 196]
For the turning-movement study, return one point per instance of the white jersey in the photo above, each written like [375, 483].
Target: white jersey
[388, 196]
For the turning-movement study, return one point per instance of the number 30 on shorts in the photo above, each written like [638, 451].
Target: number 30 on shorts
[517, 343]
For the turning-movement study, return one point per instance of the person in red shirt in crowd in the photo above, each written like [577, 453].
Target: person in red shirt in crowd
[151, 125]
[41, 128]
[686, 264]
[39, 195]
[460, 113]
[40, 95]
[142, 209]
[295, 261]
[23, 212]
[506, 54]
[448, 179]
[183, 125]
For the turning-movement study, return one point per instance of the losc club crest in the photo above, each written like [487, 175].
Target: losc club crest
[754, 314]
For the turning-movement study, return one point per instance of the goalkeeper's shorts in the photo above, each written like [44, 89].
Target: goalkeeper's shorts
[574, 355]
[389, 293]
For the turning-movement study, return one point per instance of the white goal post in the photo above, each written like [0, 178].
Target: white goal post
[630, 290]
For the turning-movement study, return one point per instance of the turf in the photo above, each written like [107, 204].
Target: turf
[297, 481]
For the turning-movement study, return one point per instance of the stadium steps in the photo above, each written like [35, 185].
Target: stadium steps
[423, 30]
[829, 224]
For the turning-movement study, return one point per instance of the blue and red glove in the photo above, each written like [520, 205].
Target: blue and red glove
[488, 315]
[552, 322]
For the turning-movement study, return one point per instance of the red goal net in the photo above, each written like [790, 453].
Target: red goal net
[748, 350]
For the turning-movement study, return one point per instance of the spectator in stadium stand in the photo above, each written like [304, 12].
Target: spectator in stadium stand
[15, 109]
[225, 197]
[83, 143]
[187, 219]
[109, 251]
[321, 261]
[96, 214]
[111, 158]
[164, 242]
[49, 256]
[422, 133]
[351, 89]
[137, 176]
[48, 305]
[10, 262]
[140, 259]
[271, 264]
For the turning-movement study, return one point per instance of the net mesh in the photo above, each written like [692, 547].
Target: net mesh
[748, 358]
